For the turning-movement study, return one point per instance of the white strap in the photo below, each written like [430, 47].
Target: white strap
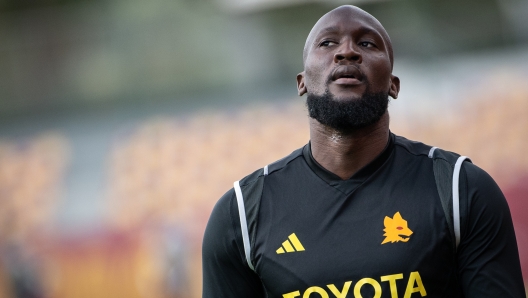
[431, 152]
[243, 223]
[456, 200]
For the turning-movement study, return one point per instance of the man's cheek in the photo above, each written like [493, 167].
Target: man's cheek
[380, 82]
[315, 83]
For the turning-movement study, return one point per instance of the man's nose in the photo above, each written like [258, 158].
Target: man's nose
[347, 52]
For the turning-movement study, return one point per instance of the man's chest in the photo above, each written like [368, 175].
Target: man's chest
[374, 242]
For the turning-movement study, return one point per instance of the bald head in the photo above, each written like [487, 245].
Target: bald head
[347, 13]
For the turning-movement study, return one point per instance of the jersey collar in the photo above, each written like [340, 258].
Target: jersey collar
[349, 185]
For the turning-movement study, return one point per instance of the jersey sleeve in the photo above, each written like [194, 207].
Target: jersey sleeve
[225, 272]
[488, 257]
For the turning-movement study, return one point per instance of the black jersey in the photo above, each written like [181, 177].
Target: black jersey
[381, 233]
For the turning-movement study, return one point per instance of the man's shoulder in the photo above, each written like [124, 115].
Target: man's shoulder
[272, 167]
[475, 175]
[412, 147]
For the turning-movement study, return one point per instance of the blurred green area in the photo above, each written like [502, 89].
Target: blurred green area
[16, 5]
[66, 54]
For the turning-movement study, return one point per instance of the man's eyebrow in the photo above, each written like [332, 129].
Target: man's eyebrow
[327, 30]
[362, 31]
[367, 30]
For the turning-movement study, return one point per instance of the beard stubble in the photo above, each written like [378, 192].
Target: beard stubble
[347, 115]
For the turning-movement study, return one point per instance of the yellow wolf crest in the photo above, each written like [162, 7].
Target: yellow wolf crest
[396, 229]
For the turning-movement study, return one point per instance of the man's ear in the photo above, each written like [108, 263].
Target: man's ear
[394, 86]
[301, 87]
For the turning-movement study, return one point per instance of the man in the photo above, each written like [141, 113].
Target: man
[356, 212]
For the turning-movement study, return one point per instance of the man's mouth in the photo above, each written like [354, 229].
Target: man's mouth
[347, 75]
[347, 81]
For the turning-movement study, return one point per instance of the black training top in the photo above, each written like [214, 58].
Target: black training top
[381, 233]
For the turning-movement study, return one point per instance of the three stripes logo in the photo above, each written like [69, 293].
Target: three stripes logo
[292, 244]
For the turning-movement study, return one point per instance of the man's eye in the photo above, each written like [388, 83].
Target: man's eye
[366, 44]
[327, 43]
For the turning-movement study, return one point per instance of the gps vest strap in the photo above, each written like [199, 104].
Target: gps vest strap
[244, 227]
[456, 200]
[243, 223]
[447, 178]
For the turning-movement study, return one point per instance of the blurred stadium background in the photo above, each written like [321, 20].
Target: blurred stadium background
[122, 122]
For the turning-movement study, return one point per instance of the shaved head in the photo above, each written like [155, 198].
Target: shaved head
[351, 12]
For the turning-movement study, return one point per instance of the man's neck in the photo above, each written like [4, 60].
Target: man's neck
[346, 153]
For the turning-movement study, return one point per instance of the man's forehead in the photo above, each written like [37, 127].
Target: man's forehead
[342, 17]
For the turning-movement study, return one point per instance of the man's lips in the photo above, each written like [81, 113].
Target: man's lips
[347, 75]
[347, 81]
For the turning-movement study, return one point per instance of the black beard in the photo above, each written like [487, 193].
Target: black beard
[348, 115]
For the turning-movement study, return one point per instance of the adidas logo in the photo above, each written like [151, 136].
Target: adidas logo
[292, 244]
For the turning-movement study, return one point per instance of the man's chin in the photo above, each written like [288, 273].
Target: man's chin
[345, 113]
